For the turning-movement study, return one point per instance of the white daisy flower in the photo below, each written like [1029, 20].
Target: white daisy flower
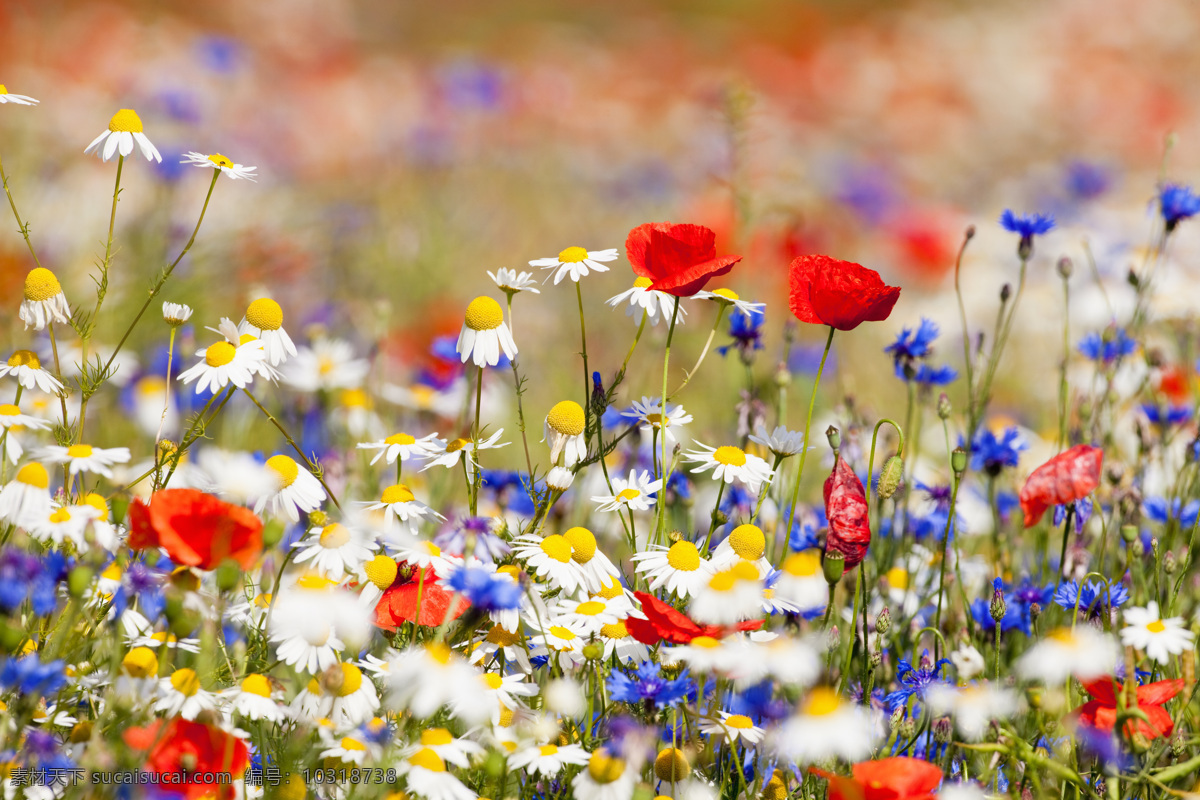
[636, 493]
[448, 452]
[17, 99]
[264, 319]
[549, 558]
[422, 554]
[225, 363]
[182, 694]
[326, 364]
[403, 446]
[510, 281]
[309, 621]
[599, 571]
[560, 479]
[348, 700]
[576, 262]
[44, 301]
[296, 490]
[220, 163]
[706, 654]
[1158, 638]
[679, 568]
[235, 475]
[124, 129]
[450, 749]
[973, 707]
[252, 699]
[780, 441]
[563, 431]
[733, 728]
[401, 509]
[1083, 652]
[617, 642]
[334, 550]
[802, 581]
[26, 498]
[728, 596]
[648, 412]
[968, 662]
[787, 659]
[350, 751]
[744, 543]
[607, 777]
[728, 297]
[11, 421]
[825, 728]
[588, 615]
[26, 367]
[85, 458]
[548, 759]
[566, 641]
[505, 645]
[484, 334]
[109, 536]
[653, 303]
[730, 464]
[176, 314]
[64, 524]
[426, 776]
[423, 678]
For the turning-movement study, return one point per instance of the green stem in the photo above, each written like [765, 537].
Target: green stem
[812, 401]
[167, 401]
[703, 353]
[587, 375]
[662, 506]
[311, 467]
[474, 480]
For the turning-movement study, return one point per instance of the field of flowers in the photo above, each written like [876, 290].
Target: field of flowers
[418, 490]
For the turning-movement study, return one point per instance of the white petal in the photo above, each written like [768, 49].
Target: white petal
[126, 139]
[110, 146]
[95, 142]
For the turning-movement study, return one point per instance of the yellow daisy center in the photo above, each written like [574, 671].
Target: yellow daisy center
[722, 581]
[484, 314]
[744, 570]
[219, 354]
[642, 283]
[559, 632]
[34, 475]
[256, 684]
[739, 721]
[396, 493]
[436, 737]
[557, 547]
[381, 571]
[112, 572]
[566, 418]
[400, 438]
[3, 89]
[353, 745]
[548, 749]
[511, 570]
[97, 502]
[352, 679]
[572, 255]
[583, 544]
[314, 581]
[40, 284]
[125, 121]
[656, 420]
[1063, 636]
[729, 456]
[427, 759]
[1156, 627]
[590, 608]
[707, 642]
[493, 680]
[684, 556]
[628, 494]
[821, 701]
[151, 386]
[264, 313]
[185, 681]
[286, 468]
[9, 410]
[79, 451]
[803, 565]
[507, 715]
[61, 515]
[430, 548]
[439, 652]
[897, 578]
[604, 768]
[748, 541]
[25, 358]
[140, 662]
[334, 536]
[615, 630]
[502, 638]
[355, 398]
[728, 294]
[222, 161]
[611, 588]
[455, 445]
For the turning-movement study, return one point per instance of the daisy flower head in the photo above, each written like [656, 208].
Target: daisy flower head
[728, 596]
[606, 777]
[802, 581]
[16, 99]
[651, 302]
[730, 464]
[225, 363]
[403, 446]
[423, 678]
[325, 364]
[511, 282]
[564, 433]
[401, 508]
[648, 411]
[182, 694]
[559, 479]
[26, 368]
[550, 558]
[973, 707]
[313, 621]
[264, 319]
[484, 334]
[597, 568]
[635, 494]
[296, 489]
[565, 640]
[679, 568]
[576, 262]
[11, 421]
[781, 442]
[825, 727]
[744, 543]
[176, 314]
[548, 759]
[728, 297]
[252, 699]
[219, 163]
[124, 129]
[85, 458]
[335, 550]
[65, 524]
[733, 728]
[1082, 652]
[44, 301]
[1158, 638]
[458, 752]
[706, 654]
[447, 453]
[590, 615]
[426, 776]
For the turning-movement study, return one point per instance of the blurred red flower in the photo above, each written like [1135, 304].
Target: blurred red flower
[679, 259]
[420, 592]
[1069, 476]
[664, 622]
[186, 748]
[846, 510]
[1101, 711]
[895, 778]
[196, 529]
[841, 294]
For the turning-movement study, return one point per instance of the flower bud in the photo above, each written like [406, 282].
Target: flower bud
[969, 233]
[1154, 546]
[832, 639]
[876, 659]
[783, 377]
[958, 461]
[998, 607]
[1065, 267]
[896, 719]
[1138, 547]
[1132, 279]
[1170, 563]
[1035, 611]
[834, 566]
[943, 406]
[272, 533]
[318, 518]
[1033, 696]
[883, 623]
[835, 438]
[1005, 292]
[1025, 248]
[943, 730]
[331, 679]
[229, 575]
[593, 651]
[78, 580]
[1129, 533]
[890, 475]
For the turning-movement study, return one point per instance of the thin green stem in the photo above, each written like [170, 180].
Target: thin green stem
[22, 226]
[474, 481]
[703, 352]
[167, 399]
[311, 466]
[587, 375]
[662, 506]
[812, 402]
[637, 338]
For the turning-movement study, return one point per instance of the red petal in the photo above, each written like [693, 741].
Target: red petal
[909, 778]
[671, 625]
[1067, 477]
[1155, 694]
[679, 259]
[1102, 689]
[401, 602]
[841, 294]
[846, 510]
[1089, 714]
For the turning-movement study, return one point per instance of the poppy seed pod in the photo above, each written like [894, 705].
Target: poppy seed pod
[834, 566]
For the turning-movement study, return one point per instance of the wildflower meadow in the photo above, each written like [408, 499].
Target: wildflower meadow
[635, 527]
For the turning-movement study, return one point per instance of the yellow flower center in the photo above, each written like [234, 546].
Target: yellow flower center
[381, 571]
[748, 541]
[656, 420]
[722, 581]
[628, 494]
[439, 652]
[34, 475]
[739, 721]
[744, 570]
[684, 556]
[604, 768]
[511, 570]
[400, 438]
[3, 89]
[572, 255]
[707, 642]
[803, 565]
[583, 544]
[455, 445]
[286, 468]
[125, 121]
[897, 578]
[355, 398]
[642, 283]
[314, 581]
[223, 161]
[559, 632]
[615, 630]
[484, 314]
[185, 681]
[1156, 627]
[334, 536]
[61, 515]
[821, 701]
[97, 502]
[427, 759]
[140, 662]
[436, 737]
[112, 572]
[79, 451]
[493, 680]
[264, 313]
[352, 679]
[396, 493]
[219, 354]
[566, 418]
[9, 410]
[590, 608]
[557, 547]
[430, 548]
[728, 294]
[507, 715]
[548, 749]
[729, 456]
[1063, 636]
[611, 588]
[40, 284]
[353, 745]
[502, 638]
[256, 684]
[25, 358]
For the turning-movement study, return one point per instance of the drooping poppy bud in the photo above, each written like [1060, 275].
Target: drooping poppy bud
[846, 510]
[1069, 476]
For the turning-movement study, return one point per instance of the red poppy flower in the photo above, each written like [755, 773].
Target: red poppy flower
[841, 294]
[664, 623]
[186, 748]
[196, 529]
[679, 259]
[1069, 476]
[895, 778]
[846, 510]
[1101, 711]
[420, 591]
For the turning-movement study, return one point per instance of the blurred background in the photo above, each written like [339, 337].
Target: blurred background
[403, 148]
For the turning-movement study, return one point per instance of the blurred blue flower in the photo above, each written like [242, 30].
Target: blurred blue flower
[990, 454]
[486, 591]
[28, 675]
[1018, 601]
[1094, 599]
[1107, 349]
[1026, 225]
[647, 686]
[1174, 415]
[219, 53]
[489, 546]
[806, 528]
[746, 330]
[1177, 202]
[1086, 180]
[1083, 512]
[1157, 509]
[912, 344]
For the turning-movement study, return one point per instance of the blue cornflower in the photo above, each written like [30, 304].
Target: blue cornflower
[647, 685]
[1107, 348]
[1026, 225]
[1018, 602]
[915, 681]
[1094, 599]
[759, 703]
[806, 360]
[1086, 181]
[679, 487]
[1158, 510]
[940, 495]
[1169, 417]
[939, 376]
[1177, 203]
[28, 675]
[806, 528]
[1083, 512]
[486, 591]
[746, 330]
[913, 344]
[489, 546]
[990, 454]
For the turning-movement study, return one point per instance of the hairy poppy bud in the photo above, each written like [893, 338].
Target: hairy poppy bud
[889, 476]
